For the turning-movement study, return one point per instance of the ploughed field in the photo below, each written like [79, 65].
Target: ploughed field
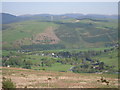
[51, 79]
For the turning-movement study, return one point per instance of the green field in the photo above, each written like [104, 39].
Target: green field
[110, 58]
[55, 67]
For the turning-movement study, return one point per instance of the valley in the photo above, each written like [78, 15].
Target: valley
[72, 51]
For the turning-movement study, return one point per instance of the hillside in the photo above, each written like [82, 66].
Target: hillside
[68, 33]
[26, 33]
[87, 32]
[35, 79]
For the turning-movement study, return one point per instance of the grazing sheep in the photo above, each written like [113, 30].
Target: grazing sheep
[103, 81]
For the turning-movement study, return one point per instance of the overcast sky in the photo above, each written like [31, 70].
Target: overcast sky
[21, 8]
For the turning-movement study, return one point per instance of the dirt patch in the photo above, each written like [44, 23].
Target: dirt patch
[47, 37]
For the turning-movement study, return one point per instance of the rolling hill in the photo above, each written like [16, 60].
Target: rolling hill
[70, 32]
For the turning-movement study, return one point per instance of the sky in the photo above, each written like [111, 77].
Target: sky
[21, 8]
[60, 0]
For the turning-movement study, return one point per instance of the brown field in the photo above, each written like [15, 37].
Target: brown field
[46, 79]
[48, 34]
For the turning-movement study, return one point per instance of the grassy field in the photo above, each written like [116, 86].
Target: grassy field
[76, 50]
[39, 79]
[110, 58]
[55, 67]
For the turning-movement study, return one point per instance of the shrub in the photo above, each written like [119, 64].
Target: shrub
[7, 83]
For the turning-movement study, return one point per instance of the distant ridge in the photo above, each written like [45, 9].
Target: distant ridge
[9, 18]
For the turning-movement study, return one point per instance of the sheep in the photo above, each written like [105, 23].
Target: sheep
[103, 81]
